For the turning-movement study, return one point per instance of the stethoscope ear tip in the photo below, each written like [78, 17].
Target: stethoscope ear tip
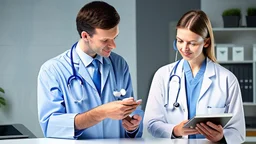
[116, 93]
[121, 93]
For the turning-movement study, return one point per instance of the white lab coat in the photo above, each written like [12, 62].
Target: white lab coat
[220, 93]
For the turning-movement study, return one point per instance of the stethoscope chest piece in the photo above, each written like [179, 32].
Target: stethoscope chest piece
[176, 104]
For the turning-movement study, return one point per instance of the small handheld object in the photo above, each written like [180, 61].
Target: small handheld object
[140, 100]
[220, 119]
[129, 98]
[137, 101]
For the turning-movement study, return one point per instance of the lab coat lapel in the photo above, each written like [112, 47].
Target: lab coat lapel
[85, 74]
[105, 71]
[209, 72]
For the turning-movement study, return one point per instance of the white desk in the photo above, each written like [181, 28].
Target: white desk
[104, 141]
[250, 139]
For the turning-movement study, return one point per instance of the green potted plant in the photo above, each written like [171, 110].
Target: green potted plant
[251, 17]
[231, 17]
[2, 100]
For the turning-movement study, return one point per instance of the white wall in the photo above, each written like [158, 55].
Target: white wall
[32, 32]
[214, 9]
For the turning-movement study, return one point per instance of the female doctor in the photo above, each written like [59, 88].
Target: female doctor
[194, 85]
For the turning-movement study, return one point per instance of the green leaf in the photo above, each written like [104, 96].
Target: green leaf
[1, 90]
[2, 101]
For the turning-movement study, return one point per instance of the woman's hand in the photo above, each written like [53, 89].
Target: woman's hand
[211, 131]
[178, 130]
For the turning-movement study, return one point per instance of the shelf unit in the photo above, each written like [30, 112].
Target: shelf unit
[234, 29]
[236, 62]
[241, 36]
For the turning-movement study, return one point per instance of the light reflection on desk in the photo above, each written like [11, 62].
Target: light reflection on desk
[106, 141]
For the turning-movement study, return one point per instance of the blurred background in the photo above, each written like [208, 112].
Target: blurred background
[32, 32]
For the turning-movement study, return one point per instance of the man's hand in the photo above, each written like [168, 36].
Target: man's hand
[131, 123]
[114, 110]
[178, 130]
[119, 109]
[211, 131]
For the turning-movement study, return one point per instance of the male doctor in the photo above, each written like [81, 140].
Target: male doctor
[75, 89]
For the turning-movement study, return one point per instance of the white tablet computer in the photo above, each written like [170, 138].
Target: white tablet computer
[221, 119]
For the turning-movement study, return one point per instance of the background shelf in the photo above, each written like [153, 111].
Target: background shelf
[236, 62]
[222, 29]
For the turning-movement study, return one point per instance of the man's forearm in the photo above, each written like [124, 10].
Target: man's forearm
[89, 118]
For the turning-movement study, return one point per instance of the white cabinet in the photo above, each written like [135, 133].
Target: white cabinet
[241, 57]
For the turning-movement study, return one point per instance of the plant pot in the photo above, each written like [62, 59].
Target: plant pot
[251, 21]
[231, 21]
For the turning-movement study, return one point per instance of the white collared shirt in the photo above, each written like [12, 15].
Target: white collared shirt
[87, 60]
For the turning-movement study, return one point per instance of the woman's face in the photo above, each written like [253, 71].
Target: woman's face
[190, 45]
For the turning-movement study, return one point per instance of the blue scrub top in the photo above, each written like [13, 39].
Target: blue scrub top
[193, 87]
[58, 104]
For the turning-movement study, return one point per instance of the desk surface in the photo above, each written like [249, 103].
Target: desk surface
[105, 141]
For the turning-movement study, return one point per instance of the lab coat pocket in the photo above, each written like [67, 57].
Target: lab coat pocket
[212, 110]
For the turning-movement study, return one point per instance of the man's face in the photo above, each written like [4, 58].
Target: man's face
[102, 42]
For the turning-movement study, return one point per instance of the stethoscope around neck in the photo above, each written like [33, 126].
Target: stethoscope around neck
[75, 76]
[174, 82]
